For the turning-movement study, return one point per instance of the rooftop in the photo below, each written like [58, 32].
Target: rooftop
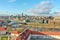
[39, 35]
[15, 32]
[2, 29]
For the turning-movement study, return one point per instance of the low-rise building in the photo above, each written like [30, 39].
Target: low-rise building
[15, 32]
[2, 31]
[14, 35]
[35, 35]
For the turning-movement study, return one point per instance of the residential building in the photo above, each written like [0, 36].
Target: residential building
[35, 35]
[14, 35]
[2, 31]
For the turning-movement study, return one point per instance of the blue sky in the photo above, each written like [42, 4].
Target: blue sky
[12, 7]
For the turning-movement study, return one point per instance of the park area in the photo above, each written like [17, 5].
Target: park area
[3, 37]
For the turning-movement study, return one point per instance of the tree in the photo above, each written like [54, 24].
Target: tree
[50, 17]
[27, 20]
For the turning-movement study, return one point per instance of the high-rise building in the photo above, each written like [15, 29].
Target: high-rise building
[22, 14]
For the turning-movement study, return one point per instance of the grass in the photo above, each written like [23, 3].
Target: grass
[20, 30]
[51, 25]
[0, 38]
[4, 38]
[9, 30]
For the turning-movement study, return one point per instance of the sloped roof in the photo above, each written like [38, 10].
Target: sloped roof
[2, 29]
[15, 32]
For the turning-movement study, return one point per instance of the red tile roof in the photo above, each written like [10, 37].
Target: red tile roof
[24, 35]
[2, 29]
[45, 33]
[38, 33]
[15, 32]
[18, 38]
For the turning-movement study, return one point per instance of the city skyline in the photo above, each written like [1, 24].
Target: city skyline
[29, 7]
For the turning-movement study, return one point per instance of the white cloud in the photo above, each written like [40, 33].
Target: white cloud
[11, 0]
[57, 13]
[42, 7]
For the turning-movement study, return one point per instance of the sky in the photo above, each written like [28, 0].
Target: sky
[29, 7]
